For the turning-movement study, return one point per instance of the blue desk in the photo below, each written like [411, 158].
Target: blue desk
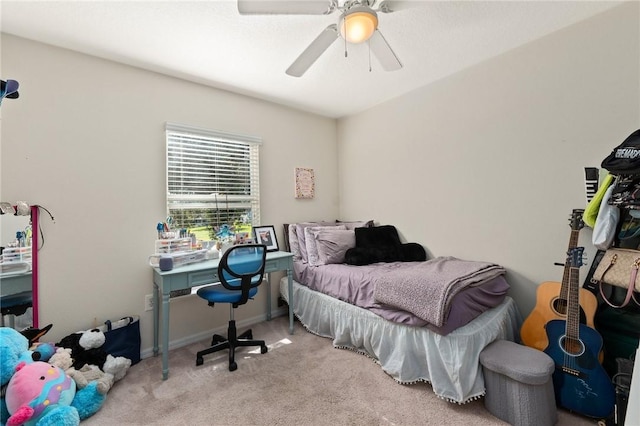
[202, 273]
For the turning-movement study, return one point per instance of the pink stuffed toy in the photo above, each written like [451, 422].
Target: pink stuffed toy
[35, 390]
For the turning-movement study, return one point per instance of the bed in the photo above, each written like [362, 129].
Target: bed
[342, 301]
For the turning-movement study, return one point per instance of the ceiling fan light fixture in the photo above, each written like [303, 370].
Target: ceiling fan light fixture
[358, 24]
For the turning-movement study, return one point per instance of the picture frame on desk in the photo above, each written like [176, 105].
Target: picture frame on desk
[266, 235]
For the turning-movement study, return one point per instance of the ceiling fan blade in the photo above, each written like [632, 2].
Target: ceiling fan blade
[387, 6]
[284, 7]
[313, 51]
[383, 52]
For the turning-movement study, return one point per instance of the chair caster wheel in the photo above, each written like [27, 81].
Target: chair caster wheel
[263, 349]
[233, 366]
[199, 360]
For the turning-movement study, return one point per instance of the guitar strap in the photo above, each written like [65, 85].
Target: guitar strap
[588, 284]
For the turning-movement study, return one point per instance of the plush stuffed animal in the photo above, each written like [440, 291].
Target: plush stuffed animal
[84, 376]
[62, 358]
[116, 366]
[88, 401]
[39, 391]
[382, 244]
[34, 334]
[43, 351]
[12, 347]
[87, 349]
[38, 352]
[92, 374]
[13, 350]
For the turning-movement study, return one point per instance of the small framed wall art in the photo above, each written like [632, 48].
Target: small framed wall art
[266, 235]
[305, 183]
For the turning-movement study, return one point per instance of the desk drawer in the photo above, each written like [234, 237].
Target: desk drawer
[201, 278]
[276, 264]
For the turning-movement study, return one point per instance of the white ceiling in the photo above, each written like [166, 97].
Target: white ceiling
[209, 42]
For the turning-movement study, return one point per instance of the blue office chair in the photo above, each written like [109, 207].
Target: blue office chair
[240, 272]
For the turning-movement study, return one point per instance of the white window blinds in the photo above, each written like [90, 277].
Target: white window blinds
[212, 178]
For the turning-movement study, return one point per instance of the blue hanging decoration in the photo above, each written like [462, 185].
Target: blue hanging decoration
[9, 89]
[225, 233]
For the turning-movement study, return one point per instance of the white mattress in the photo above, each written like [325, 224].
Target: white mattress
[409, 354]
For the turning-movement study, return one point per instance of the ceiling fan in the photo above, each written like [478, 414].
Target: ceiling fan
[358, 23]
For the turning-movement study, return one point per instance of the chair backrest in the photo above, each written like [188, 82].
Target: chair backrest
[241, 268]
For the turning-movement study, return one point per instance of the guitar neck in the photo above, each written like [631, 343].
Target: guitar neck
[573, 304]
[566, 276]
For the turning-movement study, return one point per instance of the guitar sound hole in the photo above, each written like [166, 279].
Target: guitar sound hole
[560, 306]
[571, 346]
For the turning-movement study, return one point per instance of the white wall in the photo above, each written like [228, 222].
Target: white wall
[488, 163]
[86, 140]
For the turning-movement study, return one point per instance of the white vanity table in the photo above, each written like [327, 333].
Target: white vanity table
[15, 283]
[17, 278]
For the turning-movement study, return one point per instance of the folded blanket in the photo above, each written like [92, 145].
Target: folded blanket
[427, 289]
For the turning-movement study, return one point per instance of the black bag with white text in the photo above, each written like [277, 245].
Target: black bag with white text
[625, 158]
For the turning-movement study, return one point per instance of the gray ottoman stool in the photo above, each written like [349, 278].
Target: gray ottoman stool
[519, 384]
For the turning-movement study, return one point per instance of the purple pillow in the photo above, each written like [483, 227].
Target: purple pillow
[301, 237]
[332, 244]
[310, 241]
[294, 245]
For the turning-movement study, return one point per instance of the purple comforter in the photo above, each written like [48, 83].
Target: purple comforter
[356, 285]
[426, 289]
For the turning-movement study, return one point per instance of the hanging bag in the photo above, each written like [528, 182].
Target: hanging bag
[123, 338]
[590, 214]
[604, 232]
[625, 158]
[619, 267]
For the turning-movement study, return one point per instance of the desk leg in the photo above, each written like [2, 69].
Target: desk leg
[290, 285]
[156, 318]
[269, 296]
[165, 336]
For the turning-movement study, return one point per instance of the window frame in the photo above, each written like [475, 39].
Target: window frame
[233, 146]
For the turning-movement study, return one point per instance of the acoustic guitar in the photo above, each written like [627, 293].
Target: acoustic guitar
[551, 298]
[581, 384]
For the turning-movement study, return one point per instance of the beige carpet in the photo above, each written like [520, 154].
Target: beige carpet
[302, 380]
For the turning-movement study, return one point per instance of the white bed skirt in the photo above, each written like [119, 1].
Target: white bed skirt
[409, 354]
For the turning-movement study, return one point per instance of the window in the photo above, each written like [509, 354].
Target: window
[212, 181]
